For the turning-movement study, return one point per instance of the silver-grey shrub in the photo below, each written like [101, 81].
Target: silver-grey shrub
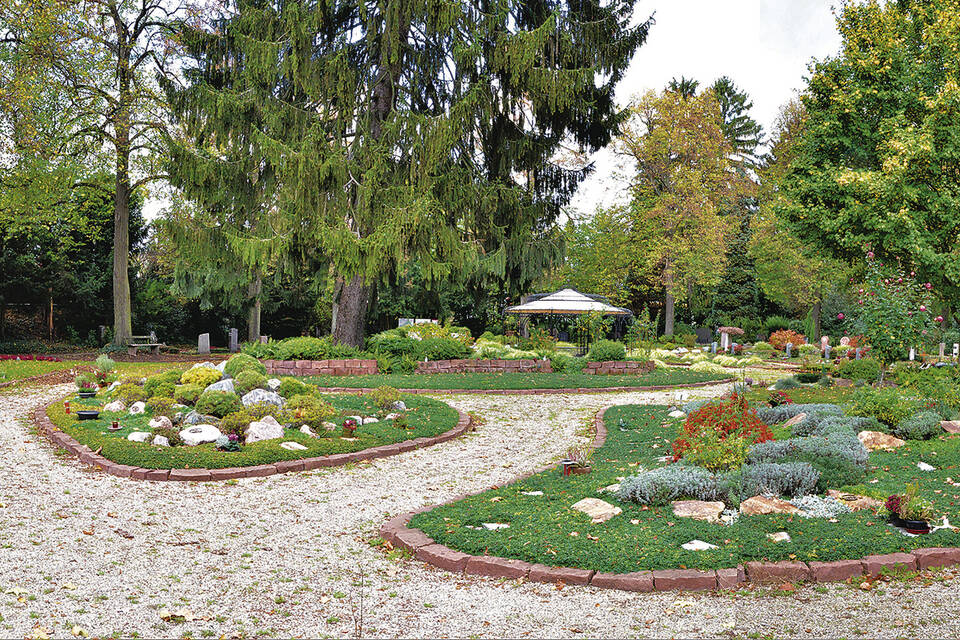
[778, 478]
[776, 415]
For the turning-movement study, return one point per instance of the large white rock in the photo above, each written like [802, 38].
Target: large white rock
[220, 367]
[370, 420]
[114, 407]
[113, 385]
[266, 429]
[138, 407]
[923, 466]
[161, 422]
[205, 365]
[160, 441]
[292, 446]
[399, 406]
[200, 434]
[779, 536]
[698, 510]
[139, 436]
[677, 414]
[306, 430]
[221, 385]
[262, 396]
[598, 510]
[273, 384]
[698, 545]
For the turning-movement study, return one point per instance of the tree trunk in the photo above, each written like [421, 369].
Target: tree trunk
[122, 321]
[816, 312]
[253, 314]
[668, 307]
[350, 301]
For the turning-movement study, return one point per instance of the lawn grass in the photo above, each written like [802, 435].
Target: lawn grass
[11, 370]
[546, 530]
[657, 377]
[426, 417]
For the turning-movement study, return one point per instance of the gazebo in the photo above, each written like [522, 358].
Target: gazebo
[566, 303]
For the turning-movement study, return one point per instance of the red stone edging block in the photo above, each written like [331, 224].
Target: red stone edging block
[897, 562]
[619, 368]
[777, 571]
[936, 557]
[351, 367]
[684, 580]
[89, 457]
[641, 581]
[483, 366]
[836, 571]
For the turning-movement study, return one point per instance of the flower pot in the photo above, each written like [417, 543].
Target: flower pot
[86, 394]
[580, 471]
[88, 414]
[916, 527]
[115, 426]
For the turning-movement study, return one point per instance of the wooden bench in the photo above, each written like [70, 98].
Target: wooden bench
[144, 342]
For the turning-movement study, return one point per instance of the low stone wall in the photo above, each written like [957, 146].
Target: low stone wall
[320, 367]
[619, 368]
[485, 366]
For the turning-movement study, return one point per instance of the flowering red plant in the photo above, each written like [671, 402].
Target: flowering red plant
[727, 417]
[778, 398]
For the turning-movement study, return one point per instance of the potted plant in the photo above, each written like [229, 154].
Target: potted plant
[86, 385]
[576, 462]
[909, 511]
[349, 427]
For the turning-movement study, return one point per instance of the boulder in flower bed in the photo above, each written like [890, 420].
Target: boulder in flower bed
[262, 396]
[138, 407]
[874, 440]
[161, 422]
[139, 436]
[765, 505]
[221, 385]
[116, 406]
[200, 434]
[697, 509]
[265, 429]
[598, 510]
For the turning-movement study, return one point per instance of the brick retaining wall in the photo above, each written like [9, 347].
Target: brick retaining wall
[353, 367]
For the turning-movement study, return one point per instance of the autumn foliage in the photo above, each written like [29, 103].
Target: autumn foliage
[779, 339]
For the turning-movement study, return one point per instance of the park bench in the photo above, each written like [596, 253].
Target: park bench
[144, 342]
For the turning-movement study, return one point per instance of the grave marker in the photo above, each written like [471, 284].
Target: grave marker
[943, 349]
[713, 348]
[234, 336]
[826, 352]
[789, 348]
[913, 354]
[203, 343]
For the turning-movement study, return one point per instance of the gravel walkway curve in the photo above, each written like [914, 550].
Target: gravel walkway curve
[284, 555]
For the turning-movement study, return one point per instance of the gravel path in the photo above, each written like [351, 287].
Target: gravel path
[285, 555]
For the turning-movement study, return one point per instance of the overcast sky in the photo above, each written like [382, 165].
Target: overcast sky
[763, 45]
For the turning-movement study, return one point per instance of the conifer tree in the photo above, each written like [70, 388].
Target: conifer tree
[398, 132]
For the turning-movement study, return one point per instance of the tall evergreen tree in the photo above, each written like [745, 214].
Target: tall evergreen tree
[741, 130]
[410, 131]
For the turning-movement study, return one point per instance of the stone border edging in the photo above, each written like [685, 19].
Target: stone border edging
[532, 392]
[90, 457]
[396, 532]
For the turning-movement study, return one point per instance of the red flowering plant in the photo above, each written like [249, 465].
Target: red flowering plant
[893, 310]
[777, 398]
[779, 339]
[718, 434]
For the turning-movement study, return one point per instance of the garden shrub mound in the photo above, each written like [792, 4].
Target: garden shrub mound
[493, 381]
[544, 529]
[324, 415]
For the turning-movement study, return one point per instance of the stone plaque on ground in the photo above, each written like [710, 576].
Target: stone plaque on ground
[203, 343]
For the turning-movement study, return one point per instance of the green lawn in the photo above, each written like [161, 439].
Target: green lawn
[11, 370]
[427, 417]
[545, 529]
[516, 380]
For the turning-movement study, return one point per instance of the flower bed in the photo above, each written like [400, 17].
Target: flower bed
[544, 530]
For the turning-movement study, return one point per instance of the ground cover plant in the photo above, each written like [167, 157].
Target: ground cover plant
[544, 529]
[12, 370]
[516, 380]
[324, 414]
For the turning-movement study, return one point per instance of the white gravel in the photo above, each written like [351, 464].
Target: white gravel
[283, 556]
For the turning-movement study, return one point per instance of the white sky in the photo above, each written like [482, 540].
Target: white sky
[763, 45]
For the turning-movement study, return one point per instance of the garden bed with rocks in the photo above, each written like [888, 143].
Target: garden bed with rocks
[231, 419]
[608, 528]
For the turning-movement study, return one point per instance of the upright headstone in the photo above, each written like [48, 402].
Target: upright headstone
[956, 350]
[264, 339]
[103, 332]
[789, 349]
[402, 322]
[826, 352]
[913, 354]
[203, 343]
[234, 336]
[724, 341]
[943, 349]
[713, 348]
[858, 355]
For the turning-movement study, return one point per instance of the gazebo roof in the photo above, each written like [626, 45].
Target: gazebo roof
[567, 302]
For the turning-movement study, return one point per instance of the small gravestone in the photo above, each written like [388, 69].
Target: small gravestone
[713, 348]
[956, 350]
[402, 322]
[789, 349]
[203, 343]
[234, 339]
[943, 349]
[824, 343]
[826, 352]
[264, 339]
[913, 354]
[858, 355]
